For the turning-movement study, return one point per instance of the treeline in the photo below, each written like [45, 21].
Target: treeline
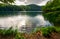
[52, 11]
[8, 9]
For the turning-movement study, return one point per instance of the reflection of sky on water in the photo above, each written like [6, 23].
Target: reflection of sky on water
[23, 21]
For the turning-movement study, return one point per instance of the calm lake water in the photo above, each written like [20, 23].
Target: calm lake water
[24, 21]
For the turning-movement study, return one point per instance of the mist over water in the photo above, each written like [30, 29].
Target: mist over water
[24, 23]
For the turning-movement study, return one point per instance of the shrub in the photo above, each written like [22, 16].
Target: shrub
[45, 30]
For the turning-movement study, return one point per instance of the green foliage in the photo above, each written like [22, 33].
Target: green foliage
[51, 6]
[19, 36]
[7, 1]
[53, 17]
[6, 32]
[57, 29]
[46, 31]
[52, 11]
[7, 9]
[11, 32]
[33, 7]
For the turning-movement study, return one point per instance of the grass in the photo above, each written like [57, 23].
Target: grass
[9, 31]
[57, 29]
[17, 35]
[47, 30]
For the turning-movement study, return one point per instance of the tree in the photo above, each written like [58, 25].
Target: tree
[52, 6]
[7, 1]
[52, 11]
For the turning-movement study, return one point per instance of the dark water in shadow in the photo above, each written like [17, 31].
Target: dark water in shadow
[12, 13]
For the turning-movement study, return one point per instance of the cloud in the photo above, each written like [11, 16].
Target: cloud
[31, 1]
[25, 2]
[34, 1]
[22, 0]
[43, 2]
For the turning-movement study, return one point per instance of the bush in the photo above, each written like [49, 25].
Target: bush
[10, 32]
[7, 32]
[53, 17]
[45, 30]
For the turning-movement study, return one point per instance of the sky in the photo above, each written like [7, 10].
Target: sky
[26, 2]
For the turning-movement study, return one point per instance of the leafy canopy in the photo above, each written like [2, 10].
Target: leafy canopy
[52, 11]
[7, 1]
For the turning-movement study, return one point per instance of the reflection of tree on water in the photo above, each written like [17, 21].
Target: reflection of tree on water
[11, 13]
[33, 13]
